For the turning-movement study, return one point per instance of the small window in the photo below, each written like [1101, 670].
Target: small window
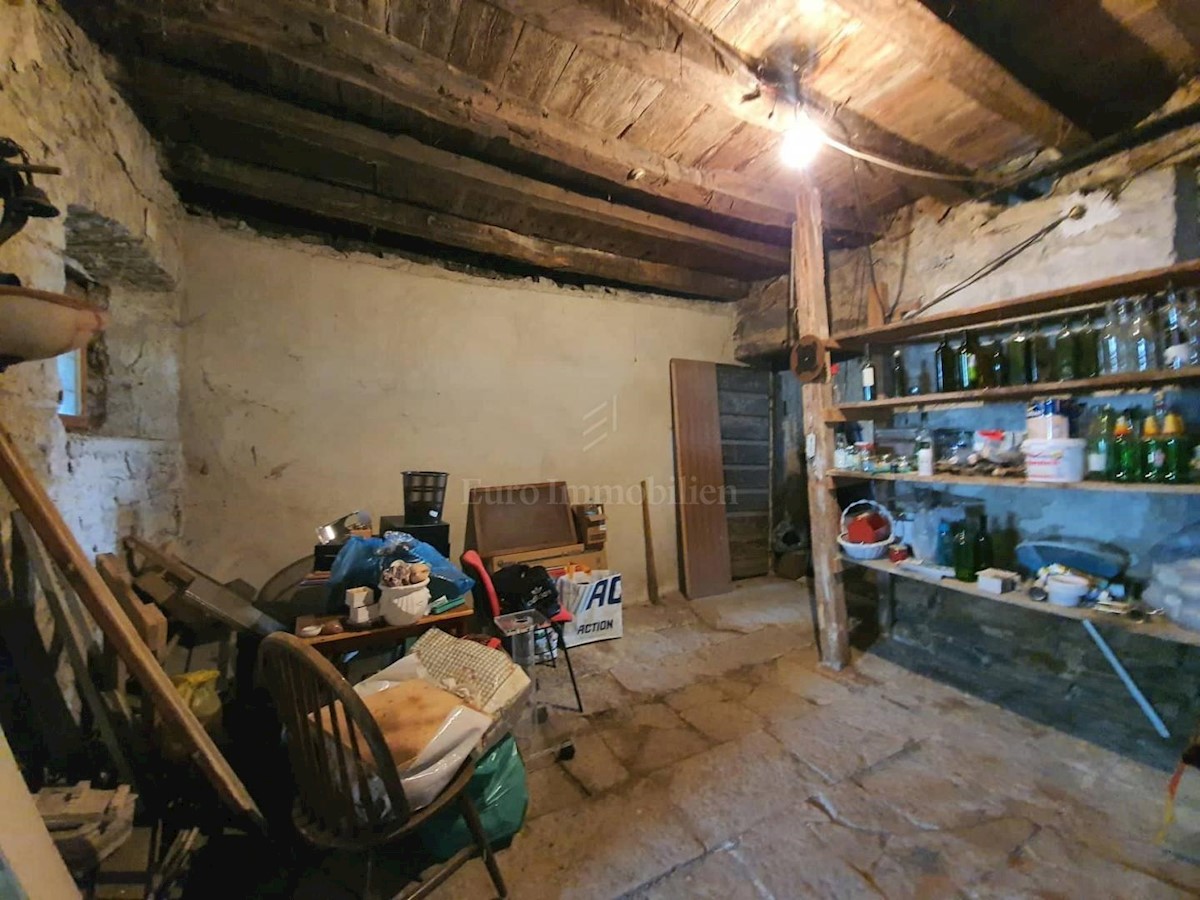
[72, 401]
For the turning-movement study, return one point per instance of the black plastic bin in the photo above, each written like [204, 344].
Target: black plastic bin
[424, 496]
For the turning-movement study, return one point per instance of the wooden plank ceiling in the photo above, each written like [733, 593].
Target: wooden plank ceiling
[632, 142]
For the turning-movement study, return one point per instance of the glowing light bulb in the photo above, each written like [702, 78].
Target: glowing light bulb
[802, 142]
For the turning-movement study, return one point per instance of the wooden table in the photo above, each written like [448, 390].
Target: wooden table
[383, 636]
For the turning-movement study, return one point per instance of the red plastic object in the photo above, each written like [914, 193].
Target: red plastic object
[869, 528]
[471, 561]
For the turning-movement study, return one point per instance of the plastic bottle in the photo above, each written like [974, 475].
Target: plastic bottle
[1176, 349]
[924, 447]
[1154, 455]
[1126, 459]
[1143, 341]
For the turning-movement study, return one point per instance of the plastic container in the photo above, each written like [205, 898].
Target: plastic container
[1066, 590]
[406, 604]
[1059, 460]
[424, 496]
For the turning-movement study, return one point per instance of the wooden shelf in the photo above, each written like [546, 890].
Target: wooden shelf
[1130, 381]
[994, 481]
[1147, 281]
[1158, 627]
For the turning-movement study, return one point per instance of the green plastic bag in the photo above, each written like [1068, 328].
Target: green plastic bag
[501, 796]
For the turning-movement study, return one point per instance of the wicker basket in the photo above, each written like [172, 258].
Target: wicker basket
[878, 549]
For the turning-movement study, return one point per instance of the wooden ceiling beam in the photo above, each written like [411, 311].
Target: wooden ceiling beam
[170, 93]
[944, 52]
[345, 204]
[1184, 16]
[660, 42]
[328, 45]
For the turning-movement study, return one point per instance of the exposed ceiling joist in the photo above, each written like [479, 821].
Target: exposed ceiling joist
[344, 204]
[332, 46]
[171, 94]
[1184, 15]
[947, 54]
[655, 40]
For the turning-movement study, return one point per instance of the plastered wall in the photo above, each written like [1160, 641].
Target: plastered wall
[313, 379]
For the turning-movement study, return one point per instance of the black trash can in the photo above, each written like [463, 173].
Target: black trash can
[424, 496]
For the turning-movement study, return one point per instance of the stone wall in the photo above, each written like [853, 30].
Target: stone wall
[119, 224]
[1039, 665]
[313, 379]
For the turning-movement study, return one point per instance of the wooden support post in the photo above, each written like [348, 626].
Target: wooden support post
[812, 318]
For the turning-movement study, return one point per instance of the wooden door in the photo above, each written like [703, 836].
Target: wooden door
[704, 564]
[744, 408]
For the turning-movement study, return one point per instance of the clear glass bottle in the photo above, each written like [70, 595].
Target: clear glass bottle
[1112, 360]
[1191, 325]
[868, 375]
[841, 452]
[924, 449]
[1099, 446]
[1175, 349]
[1143, 340]
[899, 374]
[1086, 355]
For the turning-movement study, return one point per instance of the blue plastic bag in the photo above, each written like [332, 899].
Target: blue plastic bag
[501, 797]
[445, 579]
[356, 565]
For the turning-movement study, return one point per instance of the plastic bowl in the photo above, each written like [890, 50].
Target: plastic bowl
[1066, 590]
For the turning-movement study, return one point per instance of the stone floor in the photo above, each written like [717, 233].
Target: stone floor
[717, 761]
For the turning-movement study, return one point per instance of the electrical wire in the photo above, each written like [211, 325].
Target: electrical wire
[1075, 212]
[886, 163]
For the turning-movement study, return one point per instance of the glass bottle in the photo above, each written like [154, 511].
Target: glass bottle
[1099, 446]
[945, 367]
[1154, 456]
[945, 545]
[1018, 357]
[1126, 458]
[1191, 325]
[899, 375]
[868, 375]
[924, 449]
[1177, 450]
[1176, 348]
[841, 452]
[1065, 354]
[968, 364]
[964, 554]
[1143, 340]
[983, 546]
[993, 365]
[1087, 363]
[1041, 358]
[1112, 361]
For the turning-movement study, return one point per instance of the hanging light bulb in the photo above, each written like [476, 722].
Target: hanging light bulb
[802, 142]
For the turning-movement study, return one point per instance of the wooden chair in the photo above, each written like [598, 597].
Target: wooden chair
[331, 770]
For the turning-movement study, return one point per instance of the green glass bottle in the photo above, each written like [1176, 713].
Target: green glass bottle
[945, 367]
[964, 554]
[1041, 358]
[1154, 455]
[1177, 449]
[1065, 354]
[997, 364]
[968, 364]
[1127, 461]
[1018, 357]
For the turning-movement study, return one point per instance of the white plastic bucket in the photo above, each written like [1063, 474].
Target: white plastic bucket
[1055, 460]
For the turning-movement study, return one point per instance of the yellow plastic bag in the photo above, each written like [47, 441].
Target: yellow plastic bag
[199, 691]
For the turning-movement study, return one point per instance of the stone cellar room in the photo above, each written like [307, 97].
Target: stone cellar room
[594, 449]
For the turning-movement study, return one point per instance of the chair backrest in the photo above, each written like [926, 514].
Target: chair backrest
[335, 745]
[471, 561]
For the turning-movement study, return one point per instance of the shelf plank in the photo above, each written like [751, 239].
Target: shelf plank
[1146, 281]
[1129, 381]
[996, 481]
[1158, 627]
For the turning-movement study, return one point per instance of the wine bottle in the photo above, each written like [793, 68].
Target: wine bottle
[868, 375]
[945, 367]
